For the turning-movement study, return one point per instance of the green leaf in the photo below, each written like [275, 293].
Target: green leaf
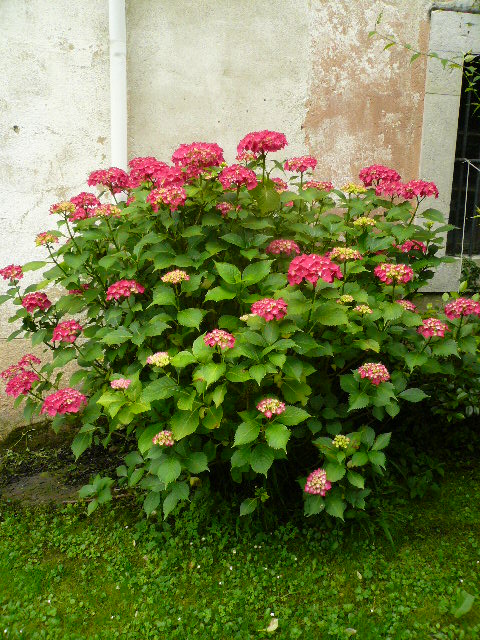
[183, 359]
[220, 293]
[209, 373]
[33, 266]
[256, 272]
[63, 356]
[293, 416]
[392, 311]
[356, 479]
[313, 505]
[415, 360]
[335, 506]
[295, 391]
[135, 477]
[151, 502]
[258, 372]
[116, 336]
[196, 462]
[183, 423]
[377, 457]
[163, 295]
[358, 400]
[248, 506]
[266, 197]
[240, 457]
[179, 492]
[237, 374]
[212, 417]
[445, 348]
[190, 317]
[218, 394]
[145, 440]
[159, 389]
[169, 470]
[335, 471]
[277, 436]
[80, 443]
[433, 215]
[262, 458]
[246, 432]
[330, 314]
[382, 441]
[359, 459]
[201, 351]
[413, 395]
[228, 272]
[463, 604]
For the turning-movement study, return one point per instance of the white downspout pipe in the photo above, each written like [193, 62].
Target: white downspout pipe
[118, 83]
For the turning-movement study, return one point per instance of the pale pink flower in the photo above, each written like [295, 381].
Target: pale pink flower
[317, 483]
[159, 359]
[282, 246]
[374, 372]
[175, 277]
[120, 383]
[407, 305]
[12, 272]
[219, 337]
[164, 439]
[432, 328]
[271, 407]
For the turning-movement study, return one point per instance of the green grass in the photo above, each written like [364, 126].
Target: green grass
[69, 577]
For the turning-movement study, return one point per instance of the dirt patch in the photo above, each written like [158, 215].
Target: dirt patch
[40, 488]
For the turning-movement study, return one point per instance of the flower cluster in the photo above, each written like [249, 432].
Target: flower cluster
[389, 273]
[419, 189]
[270, 309]
[159, 359]
[271, 407]
[64, 401]
[261, 142]
[64, 208]
[312, 267]
[389, 189]
[84, 204]
[196, 157]
[287, 247]
[21, 383]
[114, 179]
[462, 307]
[225, 208]
[407, 305]
[279, 185]
[341, 442]
[33, 301]
[412, 245]
[106, 211]
[363, 309]
[374, 372]
[219, 337]
[12, 272]
[79, 292]
[28, 360]
[25, 362]
[67, 331]
[342, 254]
[123, 289]
[353, 188]
[46, 238]
[173, 196]
[120, 383]
[175, 277]
[378, 173]
[235, 176]
[364, 222]
[317, 483]
[300, 165]
[323, 185]
[144, 170]
[345, 299]
[164, 439]
[432, 328]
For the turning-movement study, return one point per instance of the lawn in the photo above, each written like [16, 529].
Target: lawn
[206, 575]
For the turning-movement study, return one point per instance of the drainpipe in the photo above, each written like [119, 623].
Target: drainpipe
[118, 83]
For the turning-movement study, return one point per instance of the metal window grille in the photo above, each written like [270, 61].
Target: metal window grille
[465, 197]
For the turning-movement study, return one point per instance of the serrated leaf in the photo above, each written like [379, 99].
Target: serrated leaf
[256, 272]
[358, 400]
[169, 470]
[33, 266]
[228, 272]
[257, 373]
[81, 443]
[335, 506]
[313, 505]
[413, 395]
[248, 506]
[196, 462]
[335, 471]
[359, 459]
[116, 336]
[180, 491]
[382, 441]
[293, 416]
[159, 389]
[415, 360]
[164, 296]
[190, 317]
[183, 359]
[209, 373]
[261, 459]
[151, 502]
[356, 479]
[220, 293]
[377, 457]
[183, 423]
[277, 436]
[246, 432]
[145, 440]
[330, 314]
[444, 348]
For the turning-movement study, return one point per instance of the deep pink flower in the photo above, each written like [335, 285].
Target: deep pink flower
[406, 304]
[412, 245]
[318, 184]
[390, 273]
[114, 179]
[175, 277]
[67, 331]
[419, 189]
[46, 238]
[462, 307]
[120, 383]
[164, 439]
[374, 372]
[219, 337]
[21, 384]
[79, 292]
[11, 371]
[312, 267]
[317, 483]
[168, 177]
[235, 176]
[64, 401]
[279, 185]
[173, 196]
[12, 272]
[28, 360]
[271, 407]
[389, 189]
[144, 170]
[32, 301]
[260, 142]
[378, 173]
[270, 309]
[84, 203]
[123, 289]
[432, 327]
[196, 157]
[282, 246]
[225, 208]
[300, 165]
[342, 254]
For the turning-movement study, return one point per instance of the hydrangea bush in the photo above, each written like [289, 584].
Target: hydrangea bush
[242, 319]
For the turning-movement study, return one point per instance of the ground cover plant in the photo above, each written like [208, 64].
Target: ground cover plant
[235, 324]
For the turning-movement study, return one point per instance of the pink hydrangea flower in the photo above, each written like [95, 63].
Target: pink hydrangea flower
[168, 177]
[32, 301]
[419, 189]
[279, 185]
[79, 292]
[11, 371]
[407, 305]
[378, 173]
[271, 407]
[364, 309]
[412, 245]
[64, 401]
[21, 384]
[236, 175]
[105, 211]
[245, 156]
[164, 439]
[175, 277]
[374, 372]
[67, 331]
[84, 203]
[159, 359]
[123, 289]
[389, 273]
[432, 328]
[342, 254]
[462, 307]
[276, 247]
[225, 208]
[12, 272]
[114, 179]
[219, 337]
[317, 483]
[46, 238]
[389, 189]
[120, 383]
[173, 196]
[144, 170]
[319, 184]
[312, 267]
[261, 142]
[28, 360]
[64, 208]
[196, 157]
[300, 165]
[270, 309]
